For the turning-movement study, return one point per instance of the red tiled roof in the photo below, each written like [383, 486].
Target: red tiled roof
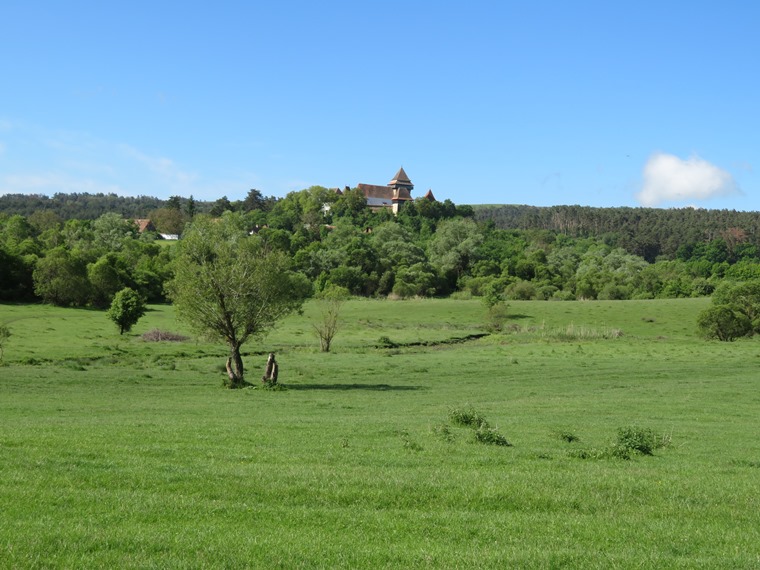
[144, 225]
[383, 192]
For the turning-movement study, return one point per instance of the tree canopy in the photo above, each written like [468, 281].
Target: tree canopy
[126, 309]
[735, 311]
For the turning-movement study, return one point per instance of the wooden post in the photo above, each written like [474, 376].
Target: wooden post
[270, 372]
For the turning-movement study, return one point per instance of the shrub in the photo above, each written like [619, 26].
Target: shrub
[568, 436]
[619, 451]
[612, 292]
[638, 439]
[496, 317]
[563, 296]
[417, 280]
[630, 440]
[722, 322]
[521, 291]
[331, 301]
[735, 311]
[493, 293]
[545, 292]
[464, 295]
[386, 342]
[467, 416]
[489, 435]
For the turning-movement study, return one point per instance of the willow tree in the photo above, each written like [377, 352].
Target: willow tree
[229, 286]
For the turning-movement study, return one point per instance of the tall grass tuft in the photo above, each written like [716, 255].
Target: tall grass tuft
[568, 333]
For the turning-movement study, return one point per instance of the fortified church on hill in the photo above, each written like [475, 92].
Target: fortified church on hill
[393, 195]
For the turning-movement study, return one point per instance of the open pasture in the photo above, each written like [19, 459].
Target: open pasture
[116, 452]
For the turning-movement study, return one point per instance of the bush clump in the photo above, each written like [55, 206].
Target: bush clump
[735, 311]
[631, 440]
[637, 439]
[467, 416]
[568, 436]
[723, 322]
[386, 342]
[491, 436]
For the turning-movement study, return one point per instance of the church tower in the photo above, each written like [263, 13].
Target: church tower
[402, 190]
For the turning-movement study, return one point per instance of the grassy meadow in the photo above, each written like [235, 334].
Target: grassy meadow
[121, 453]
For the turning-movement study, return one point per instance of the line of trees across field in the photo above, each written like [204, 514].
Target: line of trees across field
[430, 249]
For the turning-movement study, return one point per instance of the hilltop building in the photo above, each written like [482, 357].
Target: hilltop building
[393, 195]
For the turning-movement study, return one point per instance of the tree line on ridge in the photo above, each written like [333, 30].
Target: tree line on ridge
[79, 250]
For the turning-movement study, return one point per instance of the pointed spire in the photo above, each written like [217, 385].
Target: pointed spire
[401, 179]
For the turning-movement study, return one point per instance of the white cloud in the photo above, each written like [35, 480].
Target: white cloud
[668, 178]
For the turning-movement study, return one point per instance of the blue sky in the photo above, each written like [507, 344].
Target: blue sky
[529, 102]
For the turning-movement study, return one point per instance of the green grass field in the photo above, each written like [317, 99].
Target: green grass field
[120, 453]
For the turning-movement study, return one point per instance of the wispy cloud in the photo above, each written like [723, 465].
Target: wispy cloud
[51, 183]
[667, 178]
[161, 166]
[73, 161]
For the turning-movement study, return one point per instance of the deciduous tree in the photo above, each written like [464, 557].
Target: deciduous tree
[229, 286]
[722, 322]
[168, 220]
[60, 278]
[126, 309]
[331, 301]
[221, 206]
[454, 247]
[107, 275]
[111, 231]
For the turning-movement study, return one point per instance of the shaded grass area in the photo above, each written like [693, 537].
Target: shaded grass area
[140, 459]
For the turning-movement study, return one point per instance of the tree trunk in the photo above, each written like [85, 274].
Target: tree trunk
[235, 367]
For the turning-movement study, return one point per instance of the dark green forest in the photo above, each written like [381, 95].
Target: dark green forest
[80, 249]
[647, 232]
